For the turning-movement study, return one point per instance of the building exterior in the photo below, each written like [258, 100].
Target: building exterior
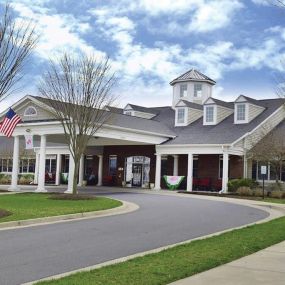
[199, 137]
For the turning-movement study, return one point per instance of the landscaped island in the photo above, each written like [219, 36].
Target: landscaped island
[31, 205]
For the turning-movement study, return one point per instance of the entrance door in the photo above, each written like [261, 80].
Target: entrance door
[137, 175]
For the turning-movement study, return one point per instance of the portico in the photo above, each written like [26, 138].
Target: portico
[193, 153]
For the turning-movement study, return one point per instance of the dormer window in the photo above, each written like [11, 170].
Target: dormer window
[183, 90]
[181, 116]
[30, 112]
[210, 114]
[241, 112]
[197, 90]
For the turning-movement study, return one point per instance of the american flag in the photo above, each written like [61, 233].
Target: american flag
[9, 123]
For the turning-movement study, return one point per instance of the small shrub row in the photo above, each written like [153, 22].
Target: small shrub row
[234, 184]
[258, 192]
[24, 179]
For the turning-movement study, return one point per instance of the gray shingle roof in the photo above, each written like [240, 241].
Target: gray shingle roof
[252, 101]
[132, 122]
[142, 109]
[191, 105]
[193, 75]
[222, 103]
[226, 132]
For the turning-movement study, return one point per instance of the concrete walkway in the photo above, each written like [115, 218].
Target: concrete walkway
[263, 267]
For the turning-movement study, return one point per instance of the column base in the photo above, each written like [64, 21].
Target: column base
[40, 190]
[156, 189]
[14, 188]
[99, 184]
[68, 191]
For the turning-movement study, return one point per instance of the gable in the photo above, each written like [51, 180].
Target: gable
[209, 101]
[41, 112]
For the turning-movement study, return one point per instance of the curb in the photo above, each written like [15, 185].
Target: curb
[126, 207]
[273, 210]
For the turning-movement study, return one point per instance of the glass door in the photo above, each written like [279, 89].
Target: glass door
[137, 175]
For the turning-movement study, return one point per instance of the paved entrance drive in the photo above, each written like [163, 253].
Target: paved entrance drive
[36, 252]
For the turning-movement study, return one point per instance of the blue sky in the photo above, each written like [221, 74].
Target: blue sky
[238, 43]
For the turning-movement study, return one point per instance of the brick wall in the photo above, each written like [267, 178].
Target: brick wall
[122, 153]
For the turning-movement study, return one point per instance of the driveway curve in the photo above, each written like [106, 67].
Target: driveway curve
[32, 253]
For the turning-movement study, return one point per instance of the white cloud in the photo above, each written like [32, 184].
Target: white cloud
[58, 32]
[263, 2]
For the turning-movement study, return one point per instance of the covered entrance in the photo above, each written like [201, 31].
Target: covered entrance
[137, 170]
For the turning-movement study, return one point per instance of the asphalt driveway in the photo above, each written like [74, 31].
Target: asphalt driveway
[28, 254]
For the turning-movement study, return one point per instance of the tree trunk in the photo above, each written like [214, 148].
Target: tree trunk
[75, 176]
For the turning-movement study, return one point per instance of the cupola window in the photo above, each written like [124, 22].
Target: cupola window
[183, 90]
[197, 90]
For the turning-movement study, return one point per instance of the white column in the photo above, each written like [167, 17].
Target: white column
[190, 172]
[42, 165]
[81, 170]
[225, 172]
[14, 182]
[58, 169]
[70, 175]
[100, 170]
[175, 165]
[36, 169]
[157, 172]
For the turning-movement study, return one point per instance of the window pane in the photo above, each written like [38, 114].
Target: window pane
[183, 90]
[241, 112]
[112, 165]
[10, 165]
[24, 165]
[181, 115]
[210, 114]
[32, 163]
[197, 90]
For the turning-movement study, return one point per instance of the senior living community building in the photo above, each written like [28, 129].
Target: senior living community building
[198, 137]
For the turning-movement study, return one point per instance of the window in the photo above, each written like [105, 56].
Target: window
[197, 90]
[181, 116]
[112, 165]
[129, 113]
[209, 114]
[183, 90]
[240, 112]
[30, 111]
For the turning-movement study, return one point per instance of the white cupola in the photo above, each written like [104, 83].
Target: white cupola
[192, 86]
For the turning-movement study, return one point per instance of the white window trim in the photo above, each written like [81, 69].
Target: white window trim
[246, 113]
[30, 115]
[185, 116]
[205, 123]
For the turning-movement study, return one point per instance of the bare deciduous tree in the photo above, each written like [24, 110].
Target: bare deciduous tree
[17, 40]
[270, 149]
[79, 89]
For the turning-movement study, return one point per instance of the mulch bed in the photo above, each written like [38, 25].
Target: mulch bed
[4, 213]
[72, 197]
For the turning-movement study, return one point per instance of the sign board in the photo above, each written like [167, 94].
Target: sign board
[263, 170]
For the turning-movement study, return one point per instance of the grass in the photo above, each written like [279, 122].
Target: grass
[33, 205]
[274, 200]
[183, 260]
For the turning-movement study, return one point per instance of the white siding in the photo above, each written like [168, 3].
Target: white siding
[222, 113]
[254, 111]
[193, 115]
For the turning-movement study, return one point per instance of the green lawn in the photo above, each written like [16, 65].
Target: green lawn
[275, 200]
[32, 205]
[184, 260]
